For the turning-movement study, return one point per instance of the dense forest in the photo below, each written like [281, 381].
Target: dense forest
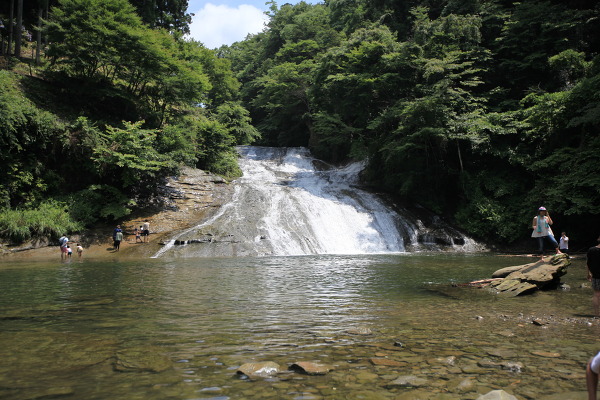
[114, 104]
[478, 110]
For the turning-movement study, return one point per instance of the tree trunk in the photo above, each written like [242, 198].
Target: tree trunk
[10, 27]
[38, 46]
[459, 156]
[18, 34]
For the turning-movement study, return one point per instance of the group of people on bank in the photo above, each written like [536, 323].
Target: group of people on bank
[141, 235]
[65, 248]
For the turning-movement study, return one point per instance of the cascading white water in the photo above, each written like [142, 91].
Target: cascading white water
[285, 205]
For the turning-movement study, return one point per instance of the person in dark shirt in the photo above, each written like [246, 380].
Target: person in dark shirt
[593, 266]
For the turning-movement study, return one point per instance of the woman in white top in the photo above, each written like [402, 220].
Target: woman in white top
[542, 231]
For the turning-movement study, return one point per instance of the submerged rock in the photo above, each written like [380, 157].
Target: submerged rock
[141, 359]
[311, 368]
[407, 381]
[259, 369]
[497, 395]
[510, 366]
[361, 330]
[386, 362]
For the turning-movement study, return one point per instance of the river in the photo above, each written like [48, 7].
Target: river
[179, 328]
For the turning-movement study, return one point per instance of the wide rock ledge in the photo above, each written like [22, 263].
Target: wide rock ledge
[524, 279]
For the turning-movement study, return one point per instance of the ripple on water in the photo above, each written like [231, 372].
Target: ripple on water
[211, 316]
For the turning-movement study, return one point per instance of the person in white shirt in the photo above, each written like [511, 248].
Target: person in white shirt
[146, 230]
[563, 243]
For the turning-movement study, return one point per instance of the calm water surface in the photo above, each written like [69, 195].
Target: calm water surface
[179, 329]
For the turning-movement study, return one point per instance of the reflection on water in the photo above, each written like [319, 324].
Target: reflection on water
[178, 329]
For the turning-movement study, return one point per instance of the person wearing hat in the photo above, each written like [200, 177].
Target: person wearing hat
[542, 231]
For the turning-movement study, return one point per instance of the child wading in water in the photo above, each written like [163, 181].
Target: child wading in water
[79, 250]
[138, 234]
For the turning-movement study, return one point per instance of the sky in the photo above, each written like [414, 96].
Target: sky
[219, 22]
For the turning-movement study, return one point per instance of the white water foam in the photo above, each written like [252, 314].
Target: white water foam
[284, 205]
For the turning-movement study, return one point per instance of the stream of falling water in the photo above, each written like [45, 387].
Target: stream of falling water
[288, 203]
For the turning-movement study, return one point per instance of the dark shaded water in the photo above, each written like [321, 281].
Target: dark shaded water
[179, 329]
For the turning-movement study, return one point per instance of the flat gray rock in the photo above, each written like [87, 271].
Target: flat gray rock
[497, 395]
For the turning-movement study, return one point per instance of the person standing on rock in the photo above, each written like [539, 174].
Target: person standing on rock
[593, 266]
[542, 231]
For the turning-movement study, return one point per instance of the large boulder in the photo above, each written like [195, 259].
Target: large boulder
[527, 278]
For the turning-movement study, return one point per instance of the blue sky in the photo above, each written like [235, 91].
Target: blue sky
[218, 22]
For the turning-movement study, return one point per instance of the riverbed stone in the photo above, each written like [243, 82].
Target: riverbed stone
[466, 385]
[497, 395]
[386, 362]
[259, 369]
[311, 368]
[141, 359]
[507, 365]
[361, 330]
[547, 354]
[501, 353]
[407, 381]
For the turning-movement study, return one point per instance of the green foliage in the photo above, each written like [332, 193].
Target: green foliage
[105, 41]
[237, 119]
[93, 38]
[27, 137]
[49, 219]
[476, 109]
[106, 66]
[127, 156]
[216, 152]
[170, 15]
[99, 203]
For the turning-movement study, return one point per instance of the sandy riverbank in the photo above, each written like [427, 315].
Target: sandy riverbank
[191, 198]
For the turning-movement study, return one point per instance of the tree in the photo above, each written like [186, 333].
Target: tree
[126, 157]
[104, 43]
[170, 15]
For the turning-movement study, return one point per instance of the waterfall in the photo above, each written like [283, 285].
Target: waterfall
[288, 203]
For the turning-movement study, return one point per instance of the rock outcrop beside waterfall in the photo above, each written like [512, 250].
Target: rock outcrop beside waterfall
[528, 278]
